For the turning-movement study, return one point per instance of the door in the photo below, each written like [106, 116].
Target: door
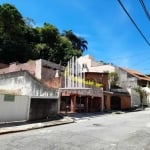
[115, 103]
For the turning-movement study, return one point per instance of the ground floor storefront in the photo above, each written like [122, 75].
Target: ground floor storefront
[76, 103]
[82, 101]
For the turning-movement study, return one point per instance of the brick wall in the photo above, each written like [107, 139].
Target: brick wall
[48, 73]
[29, 66]
[53, 83]
[125, 101]
[3, 65]
[98, 78]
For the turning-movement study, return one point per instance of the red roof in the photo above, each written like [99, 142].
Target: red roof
[137, 74]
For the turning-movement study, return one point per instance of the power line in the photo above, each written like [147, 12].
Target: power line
[145, 9]
[121, 4]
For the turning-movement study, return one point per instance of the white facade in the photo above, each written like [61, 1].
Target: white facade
[94, 66]
[135, 98]
[126, 81]
[147, 96]
[14, 108]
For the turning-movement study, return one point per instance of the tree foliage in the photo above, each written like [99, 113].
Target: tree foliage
[78, 43]
[20, 40]
[113, 78]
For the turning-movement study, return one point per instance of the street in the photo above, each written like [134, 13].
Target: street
[127, 131]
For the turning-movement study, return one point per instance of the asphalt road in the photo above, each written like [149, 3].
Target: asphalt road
[128, 131]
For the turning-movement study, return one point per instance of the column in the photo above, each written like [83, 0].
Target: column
[86, 104]
[73, 103]
[102, 103]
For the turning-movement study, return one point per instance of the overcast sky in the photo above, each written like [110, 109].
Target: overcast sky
[111, 35]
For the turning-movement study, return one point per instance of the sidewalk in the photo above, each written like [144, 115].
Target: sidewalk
[30, 126]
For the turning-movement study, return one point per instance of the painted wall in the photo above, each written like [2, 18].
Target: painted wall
[125, 102]
[14, 108]
[94, 66]
[146, 99]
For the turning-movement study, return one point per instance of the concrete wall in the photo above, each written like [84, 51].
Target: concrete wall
[135, 98]
[25, 84]
[14, 108]
[125, 80]
[41, 69]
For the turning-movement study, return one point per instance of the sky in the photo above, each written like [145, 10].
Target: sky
[111, 35]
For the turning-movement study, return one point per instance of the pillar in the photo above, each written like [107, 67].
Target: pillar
[86, 104]
[73, 103]
[107, 102]
[102, 103]
[91, 109]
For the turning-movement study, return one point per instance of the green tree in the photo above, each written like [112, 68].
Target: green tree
[141, 93]
[13, 46]
[21, 41]
[113, 78]
[78, 43]
[46, 46]
[66, 51]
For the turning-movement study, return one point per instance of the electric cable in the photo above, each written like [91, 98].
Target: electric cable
[145, 9]
[144, 37]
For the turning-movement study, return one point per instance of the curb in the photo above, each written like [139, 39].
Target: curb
[5, 130]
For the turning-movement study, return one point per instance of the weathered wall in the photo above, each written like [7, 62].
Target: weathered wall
[126, 80]
[29, 66]
[49, 69]
[47, 73]
[53, 83]
[135, 98]
[14, 108]
[25, 84]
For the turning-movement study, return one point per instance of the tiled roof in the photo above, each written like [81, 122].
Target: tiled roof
[137, 74]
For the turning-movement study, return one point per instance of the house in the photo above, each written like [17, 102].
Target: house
[82, 86]
[112, 99]
[41, 79]
[23, 97]
[129, 80]
[81, 91]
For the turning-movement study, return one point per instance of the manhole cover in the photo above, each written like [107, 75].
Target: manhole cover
[97, 124]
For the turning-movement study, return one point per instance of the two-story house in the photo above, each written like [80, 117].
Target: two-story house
[125, 95]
